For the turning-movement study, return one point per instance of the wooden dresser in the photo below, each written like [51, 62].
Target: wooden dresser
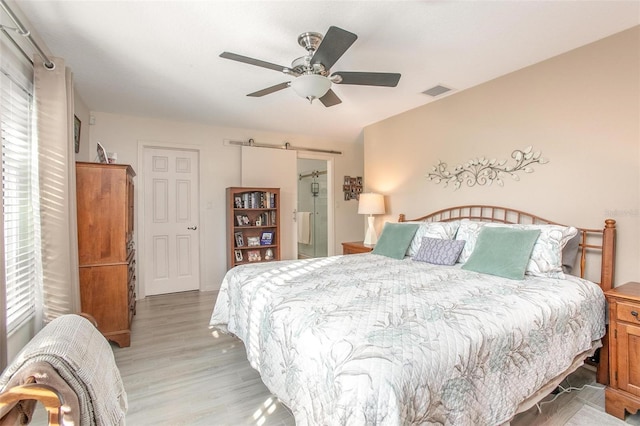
[105, 247]
[623, 392]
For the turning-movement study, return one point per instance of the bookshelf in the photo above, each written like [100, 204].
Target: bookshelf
[253, 231]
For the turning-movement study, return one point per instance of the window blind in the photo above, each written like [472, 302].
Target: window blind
[19, 191]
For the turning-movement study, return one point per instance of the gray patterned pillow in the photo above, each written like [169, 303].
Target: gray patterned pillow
[439, 251]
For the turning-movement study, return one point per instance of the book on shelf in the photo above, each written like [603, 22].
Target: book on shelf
[256, 200]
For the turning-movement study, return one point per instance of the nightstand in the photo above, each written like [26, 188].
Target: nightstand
[623, 392]
[355, 247]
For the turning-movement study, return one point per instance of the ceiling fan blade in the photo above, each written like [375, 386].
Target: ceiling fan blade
[330, 99]
[333, 46]
[268, 90]
[368, 78]
[252, 61]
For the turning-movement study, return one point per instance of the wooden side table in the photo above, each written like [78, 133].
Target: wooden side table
[355, 247]
[623, 392]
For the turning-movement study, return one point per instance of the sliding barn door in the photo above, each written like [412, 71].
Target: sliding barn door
[276, 168]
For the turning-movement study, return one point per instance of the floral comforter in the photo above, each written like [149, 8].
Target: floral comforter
[365, 339]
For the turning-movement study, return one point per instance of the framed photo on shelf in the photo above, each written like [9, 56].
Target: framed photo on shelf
[245, 220]
[239, 219]
[239, 239]
[238, 254]
[254, 256]
[253, 241]
[102, 153]
[266, 238]
[237, 202]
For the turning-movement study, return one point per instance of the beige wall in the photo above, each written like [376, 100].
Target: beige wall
[581, 109]
[82, 112]
[220, 168]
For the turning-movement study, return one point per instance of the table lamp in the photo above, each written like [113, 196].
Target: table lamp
[371, 204]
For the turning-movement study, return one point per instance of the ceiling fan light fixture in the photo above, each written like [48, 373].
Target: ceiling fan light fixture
[311, 86]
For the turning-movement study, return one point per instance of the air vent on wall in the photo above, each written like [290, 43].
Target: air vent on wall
[437, 90]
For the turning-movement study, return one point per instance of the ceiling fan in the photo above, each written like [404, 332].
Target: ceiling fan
[312, 72]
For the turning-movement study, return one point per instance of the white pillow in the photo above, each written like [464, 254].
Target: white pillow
[546, 257]
[468, 231]
[441, 230]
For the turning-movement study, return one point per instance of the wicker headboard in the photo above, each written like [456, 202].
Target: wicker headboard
[601, 241]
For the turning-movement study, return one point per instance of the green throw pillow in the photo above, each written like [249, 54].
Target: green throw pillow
[504, 252]
[395, 239]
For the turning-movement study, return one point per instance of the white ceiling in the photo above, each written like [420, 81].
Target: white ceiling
[160, 58]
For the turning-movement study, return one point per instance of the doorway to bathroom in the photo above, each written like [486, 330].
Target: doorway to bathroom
[313, 208]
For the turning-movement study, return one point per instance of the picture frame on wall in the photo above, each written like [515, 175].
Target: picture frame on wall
[76, 133]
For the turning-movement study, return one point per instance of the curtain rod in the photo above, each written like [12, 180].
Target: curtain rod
[22, 30]
[286, 145]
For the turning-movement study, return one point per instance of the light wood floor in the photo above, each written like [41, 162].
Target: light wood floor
[177, 372]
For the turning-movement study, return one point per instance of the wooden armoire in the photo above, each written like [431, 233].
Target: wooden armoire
[105, 247]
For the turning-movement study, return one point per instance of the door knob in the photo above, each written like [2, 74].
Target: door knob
[193, 228]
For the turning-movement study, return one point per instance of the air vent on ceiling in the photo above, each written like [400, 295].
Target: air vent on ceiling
[437, 90]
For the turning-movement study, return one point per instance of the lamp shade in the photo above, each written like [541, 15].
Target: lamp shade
[371, 203]
[311, 86]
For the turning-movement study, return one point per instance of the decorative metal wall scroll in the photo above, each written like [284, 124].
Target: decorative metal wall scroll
[483, 171]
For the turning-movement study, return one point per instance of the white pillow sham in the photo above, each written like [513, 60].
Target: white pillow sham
[441, 230]
[546, 257]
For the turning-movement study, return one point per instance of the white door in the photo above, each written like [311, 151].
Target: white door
[171, 221]
[276, 168]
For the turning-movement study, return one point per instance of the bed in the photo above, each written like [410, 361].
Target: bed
[371, 339]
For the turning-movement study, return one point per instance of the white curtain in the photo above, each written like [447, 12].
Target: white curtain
[53, 92]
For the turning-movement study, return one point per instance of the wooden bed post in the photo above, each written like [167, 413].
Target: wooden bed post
[608, 254]
[606, 283]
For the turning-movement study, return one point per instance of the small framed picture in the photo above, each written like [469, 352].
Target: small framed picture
[352, 181]
[266, 238]
[245, 220]
[359, 181]
[253, 241]
[254, 256]
[347, 180]
[239, 220]
[238, 254]
[259, 221]
[76, 133]
[237, 202]
[347, 196]
[239, 239]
